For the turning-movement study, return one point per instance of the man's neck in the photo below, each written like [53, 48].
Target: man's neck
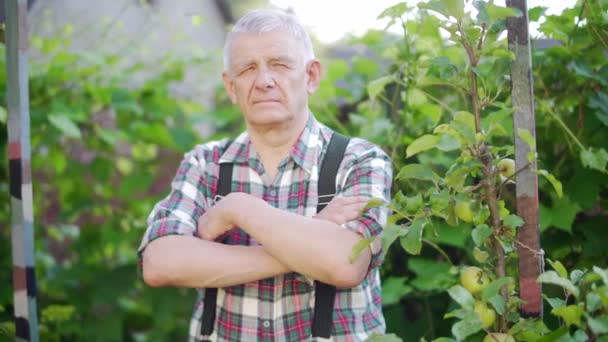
[273, 143]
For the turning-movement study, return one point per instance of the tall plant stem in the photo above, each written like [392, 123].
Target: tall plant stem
[488, 172]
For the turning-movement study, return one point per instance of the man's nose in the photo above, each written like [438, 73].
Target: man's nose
[264, 79]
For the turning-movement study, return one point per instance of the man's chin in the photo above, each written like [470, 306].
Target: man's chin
[269, 118]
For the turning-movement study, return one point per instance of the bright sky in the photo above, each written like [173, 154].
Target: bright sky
[330, 20]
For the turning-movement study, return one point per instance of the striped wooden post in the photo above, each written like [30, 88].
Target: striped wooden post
[20, 174]
[526, 188]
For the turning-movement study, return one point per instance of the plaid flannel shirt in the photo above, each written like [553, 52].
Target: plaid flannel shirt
[280, 308]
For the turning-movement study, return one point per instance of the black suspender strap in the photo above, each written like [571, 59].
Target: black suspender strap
[325, 294]
[210, 300]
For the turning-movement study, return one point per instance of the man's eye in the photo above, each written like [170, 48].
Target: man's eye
[245, 70]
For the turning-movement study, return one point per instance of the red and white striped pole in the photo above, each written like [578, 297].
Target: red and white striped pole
[20, 174]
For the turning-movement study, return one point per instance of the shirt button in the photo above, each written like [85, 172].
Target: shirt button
[266, 324]
[273, 192]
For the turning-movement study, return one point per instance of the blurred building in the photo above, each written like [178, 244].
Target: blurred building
[142, 31]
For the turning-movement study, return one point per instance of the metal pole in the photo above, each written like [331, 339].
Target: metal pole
[530, 256]
[20, 174]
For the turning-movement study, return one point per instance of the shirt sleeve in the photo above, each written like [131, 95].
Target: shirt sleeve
[369, 175]
[178, 213]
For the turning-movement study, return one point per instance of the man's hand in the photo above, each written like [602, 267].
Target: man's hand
[342, 209]
[220, 218]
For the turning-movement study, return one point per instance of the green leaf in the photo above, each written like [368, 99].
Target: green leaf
[447, 143]
[144, 152]
[464, 123]
[375, 87]
[372, 203]
[395, 11]
[470, 325]
[360, 247]
[65, 125]
[513, 221]
[602, 273]
[441, 68]
[571, 314]
[551, 277]
[576, 276]
[416, 97]
[444, 234]
[480, 234]
[57, 313]
[461, 296]
[3, 115]
[496, 13]
[457, 176]
[365, 66]
[494, 287]
[555, 302]
[595, 158]
[546, 217]
[598, 325]
[556, 335]
[337, 69]
[535, 13]
[594, 302]
[529, 139]
[599, 102]
[413, 203]
[498, 303]
[559, 267]
[390, 233]
[447, 8]
[439, 203]
[557, 185]
[393, 289]
[425, 142]
[375, 337]
[417, 171]
[563, 213]
[455, 8]
[412, 242]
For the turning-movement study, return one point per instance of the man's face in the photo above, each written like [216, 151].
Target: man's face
[269, 78]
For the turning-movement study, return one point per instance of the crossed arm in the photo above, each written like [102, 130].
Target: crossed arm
[316, 247]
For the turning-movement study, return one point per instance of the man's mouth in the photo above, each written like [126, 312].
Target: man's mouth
[265, 101]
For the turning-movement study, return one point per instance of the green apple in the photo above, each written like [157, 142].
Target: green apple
[463, 211]
[506, 167]
[474, 279]
[487, 315]
[498, 337]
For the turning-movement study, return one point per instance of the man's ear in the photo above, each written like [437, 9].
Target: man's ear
[313, 73]
[229, 86]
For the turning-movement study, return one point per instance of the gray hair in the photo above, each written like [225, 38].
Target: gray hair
[269, 20]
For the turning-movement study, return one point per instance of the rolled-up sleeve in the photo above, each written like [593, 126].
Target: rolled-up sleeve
[368, 175]
[178, 213]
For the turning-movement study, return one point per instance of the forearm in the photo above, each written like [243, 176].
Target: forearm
[188, 261]
[316, 248]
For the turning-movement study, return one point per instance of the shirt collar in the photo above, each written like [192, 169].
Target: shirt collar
[238, 151]
[305, 151]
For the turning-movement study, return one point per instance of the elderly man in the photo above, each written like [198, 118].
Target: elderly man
[261, 252]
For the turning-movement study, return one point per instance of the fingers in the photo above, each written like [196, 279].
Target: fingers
[343, 209]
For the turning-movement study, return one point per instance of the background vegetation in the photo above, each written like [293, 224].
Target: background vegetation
[103, 153]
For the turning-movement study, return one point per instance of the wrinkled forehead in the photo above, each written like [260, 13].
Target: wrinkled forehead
[248, 47]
